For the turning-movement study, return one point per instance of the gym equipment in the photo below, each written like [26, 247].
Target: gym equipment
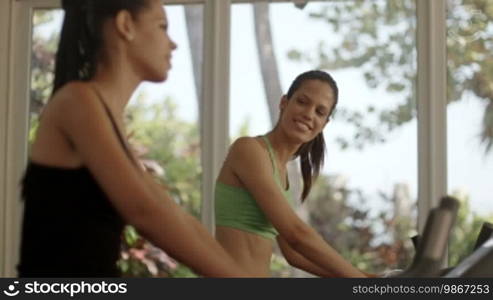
[480, 262]
[433, 244]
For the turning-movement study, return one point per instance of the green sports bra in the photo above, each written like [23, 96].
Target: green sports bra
[235, 207]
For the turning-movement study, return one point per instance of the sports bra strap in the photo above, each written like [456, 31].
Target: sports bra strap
[272, 155]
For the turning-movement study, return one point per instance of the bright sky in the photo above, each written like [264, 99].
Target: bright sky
[377, 168]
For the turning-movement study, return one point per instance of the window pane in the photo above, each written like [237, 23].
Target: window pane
[469, 118]
[248, 106]
[46, 32]
[363, 202]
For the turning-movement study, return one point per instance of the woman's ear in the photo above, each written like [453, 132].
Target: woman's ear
[283, 103]
[125, 25]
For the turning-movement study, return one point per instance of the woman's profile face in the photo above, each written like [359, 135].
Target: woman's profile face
[152, 48]
[306, 113]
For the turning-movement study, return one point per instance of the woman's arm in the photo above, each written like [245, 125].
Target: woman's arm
[161, 192]
[299, 261]
[82, 119]
[251, 163]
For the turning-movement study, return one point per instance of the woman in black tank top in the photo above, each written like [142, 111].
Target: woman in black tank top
[82, 182]
[85, 230]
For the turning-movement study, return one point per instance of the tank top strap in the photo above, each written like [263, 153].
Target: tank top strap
[272, 156]
[115, 127]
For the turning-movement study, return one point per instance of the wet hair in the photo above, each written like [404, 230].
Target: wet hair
[81, 39]
[312, 153]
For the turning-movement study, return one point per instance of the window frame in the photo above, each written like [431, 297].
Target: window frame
[5, 7]
[16, 32]
[432, 105]
[17, 114]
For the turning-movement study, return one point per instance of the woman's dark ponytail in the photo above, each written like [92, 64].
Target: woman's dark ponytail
[75, 59]
[312, 153]
[81, 38]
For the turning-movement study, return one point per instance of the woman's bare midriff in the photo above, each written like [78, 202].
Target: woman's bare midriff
[251, 251]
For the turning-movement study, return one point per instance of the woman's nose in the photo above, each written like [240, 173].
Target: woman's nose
[308, 113]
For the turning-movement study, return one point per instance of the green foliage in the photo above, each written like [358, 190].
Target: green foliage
[43, 61]
[130, 236]
[183, 271]
[173, 144]
[133, 267]
[465, 232]
[139, 258]
[372, 242]
[279, 267]
[350, 225]
[41, 17]
[33, 128]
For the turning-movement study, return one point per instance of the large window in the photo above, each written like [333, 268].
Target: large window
[470, 118]
[365, 201]
[249, 114]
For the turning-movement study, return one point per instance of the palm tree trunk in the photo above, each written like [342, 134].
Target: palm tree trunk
[194, 15]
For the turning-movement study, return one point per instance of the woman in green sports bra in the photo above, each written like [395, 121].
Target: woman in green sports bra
[253, 201]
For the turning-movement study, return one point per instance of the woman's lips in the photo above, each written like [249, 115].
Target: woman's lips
[303, 126]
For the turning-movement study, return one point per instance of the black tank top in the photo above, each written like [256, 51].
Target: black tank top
[70, 228]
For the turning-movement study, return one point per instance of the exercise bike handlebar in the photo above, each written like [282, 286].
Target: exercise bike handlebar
[433, 244]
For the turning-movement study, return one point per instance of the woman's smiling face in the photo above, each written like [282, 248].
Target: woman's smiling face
[307, 112]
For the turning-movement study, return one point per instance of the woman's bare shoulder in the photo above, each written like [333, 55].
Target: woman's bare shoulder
[73, 94]
[248, 153]
[246, 146]
[75, 102]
